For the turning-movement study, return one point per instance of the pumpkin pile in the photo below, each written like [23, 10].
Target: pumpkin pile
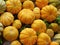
[30, 22]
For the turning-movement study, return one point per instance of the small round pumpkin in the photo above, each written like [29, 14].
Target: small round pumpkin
[45, 37]
[26, 16]
[36, 11]
[28, 36]
[41, 3]
[54, 43]
[2, 6]
[49, 13]
[10, 33]
[17, 24]
[41, 42]
[39, 26]
[6, 18]
[50, 32]
[54, 26]
[15, 43]
[28, 5]
[13, 6]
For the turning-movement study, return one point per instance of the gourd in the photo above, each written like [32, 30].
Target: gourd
[49, 13]
[13, 6]
[45, 37]
[41, 3]
[50, 32]
[54, 43]
[2, 6]
[10, 33]
[39, 26]
[54, 27]
[28, 36]
[15, 43]
[28, 5]
[17, 24]
[7, 18]
[36, 11]
[26, 16]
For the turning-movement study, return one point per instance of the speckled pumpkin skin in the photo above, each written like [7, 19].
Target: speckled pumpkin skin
[49, 13]
[7, 18]
[13, 6]
[28, 36]
[26, 16]
[10, 33]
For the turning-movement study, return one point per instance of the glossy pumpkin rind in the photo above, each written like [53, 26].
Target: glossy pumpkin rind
[7, 18]
[54, 43]
[49, 13]
[26, 16]
[13, 6]
[10, 33]
[28, 36]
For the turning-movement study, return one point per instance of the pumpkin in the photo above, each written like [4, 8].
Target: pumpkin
[28, 36]
[13, 6]
[54, 43]
[26, 16]
[54, 26]
[50, 32]
[45, 37]
[39, 26]
[28, 5]
[15, 43]
[41, 42]
[2, 6]
[36, 11]
[41, 3]
[49, 13]
[17, 24]
[10, 33]
[6, 18]
[1, 27]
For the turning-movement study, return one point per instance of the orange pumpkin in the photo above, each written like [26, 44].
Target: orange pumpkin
[41, 3]
[28, 5]
[50, 32]
[41, 42]
[28, 36]
[39, 26]
[45, 37]
[26, 16]
[15, 43]
[13, 6]
[54, 43]
[36, 11]
[10, 33]
[7, 18]
[17, 24]
[49, 13]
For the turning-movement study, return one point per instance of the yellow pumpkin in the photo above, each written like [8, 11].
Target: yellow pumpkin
[28, 36]
[50, 32]
[49, 13]
[7, 18]
[13, 6]
[17, 24]
[26, 16]
[41, 3]
[28, 5]
[36, 11]
[39, 26]
[10, 33]
[54, 43]
[54, 26]
[45, 37]
[41, 42]
[15, 43]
